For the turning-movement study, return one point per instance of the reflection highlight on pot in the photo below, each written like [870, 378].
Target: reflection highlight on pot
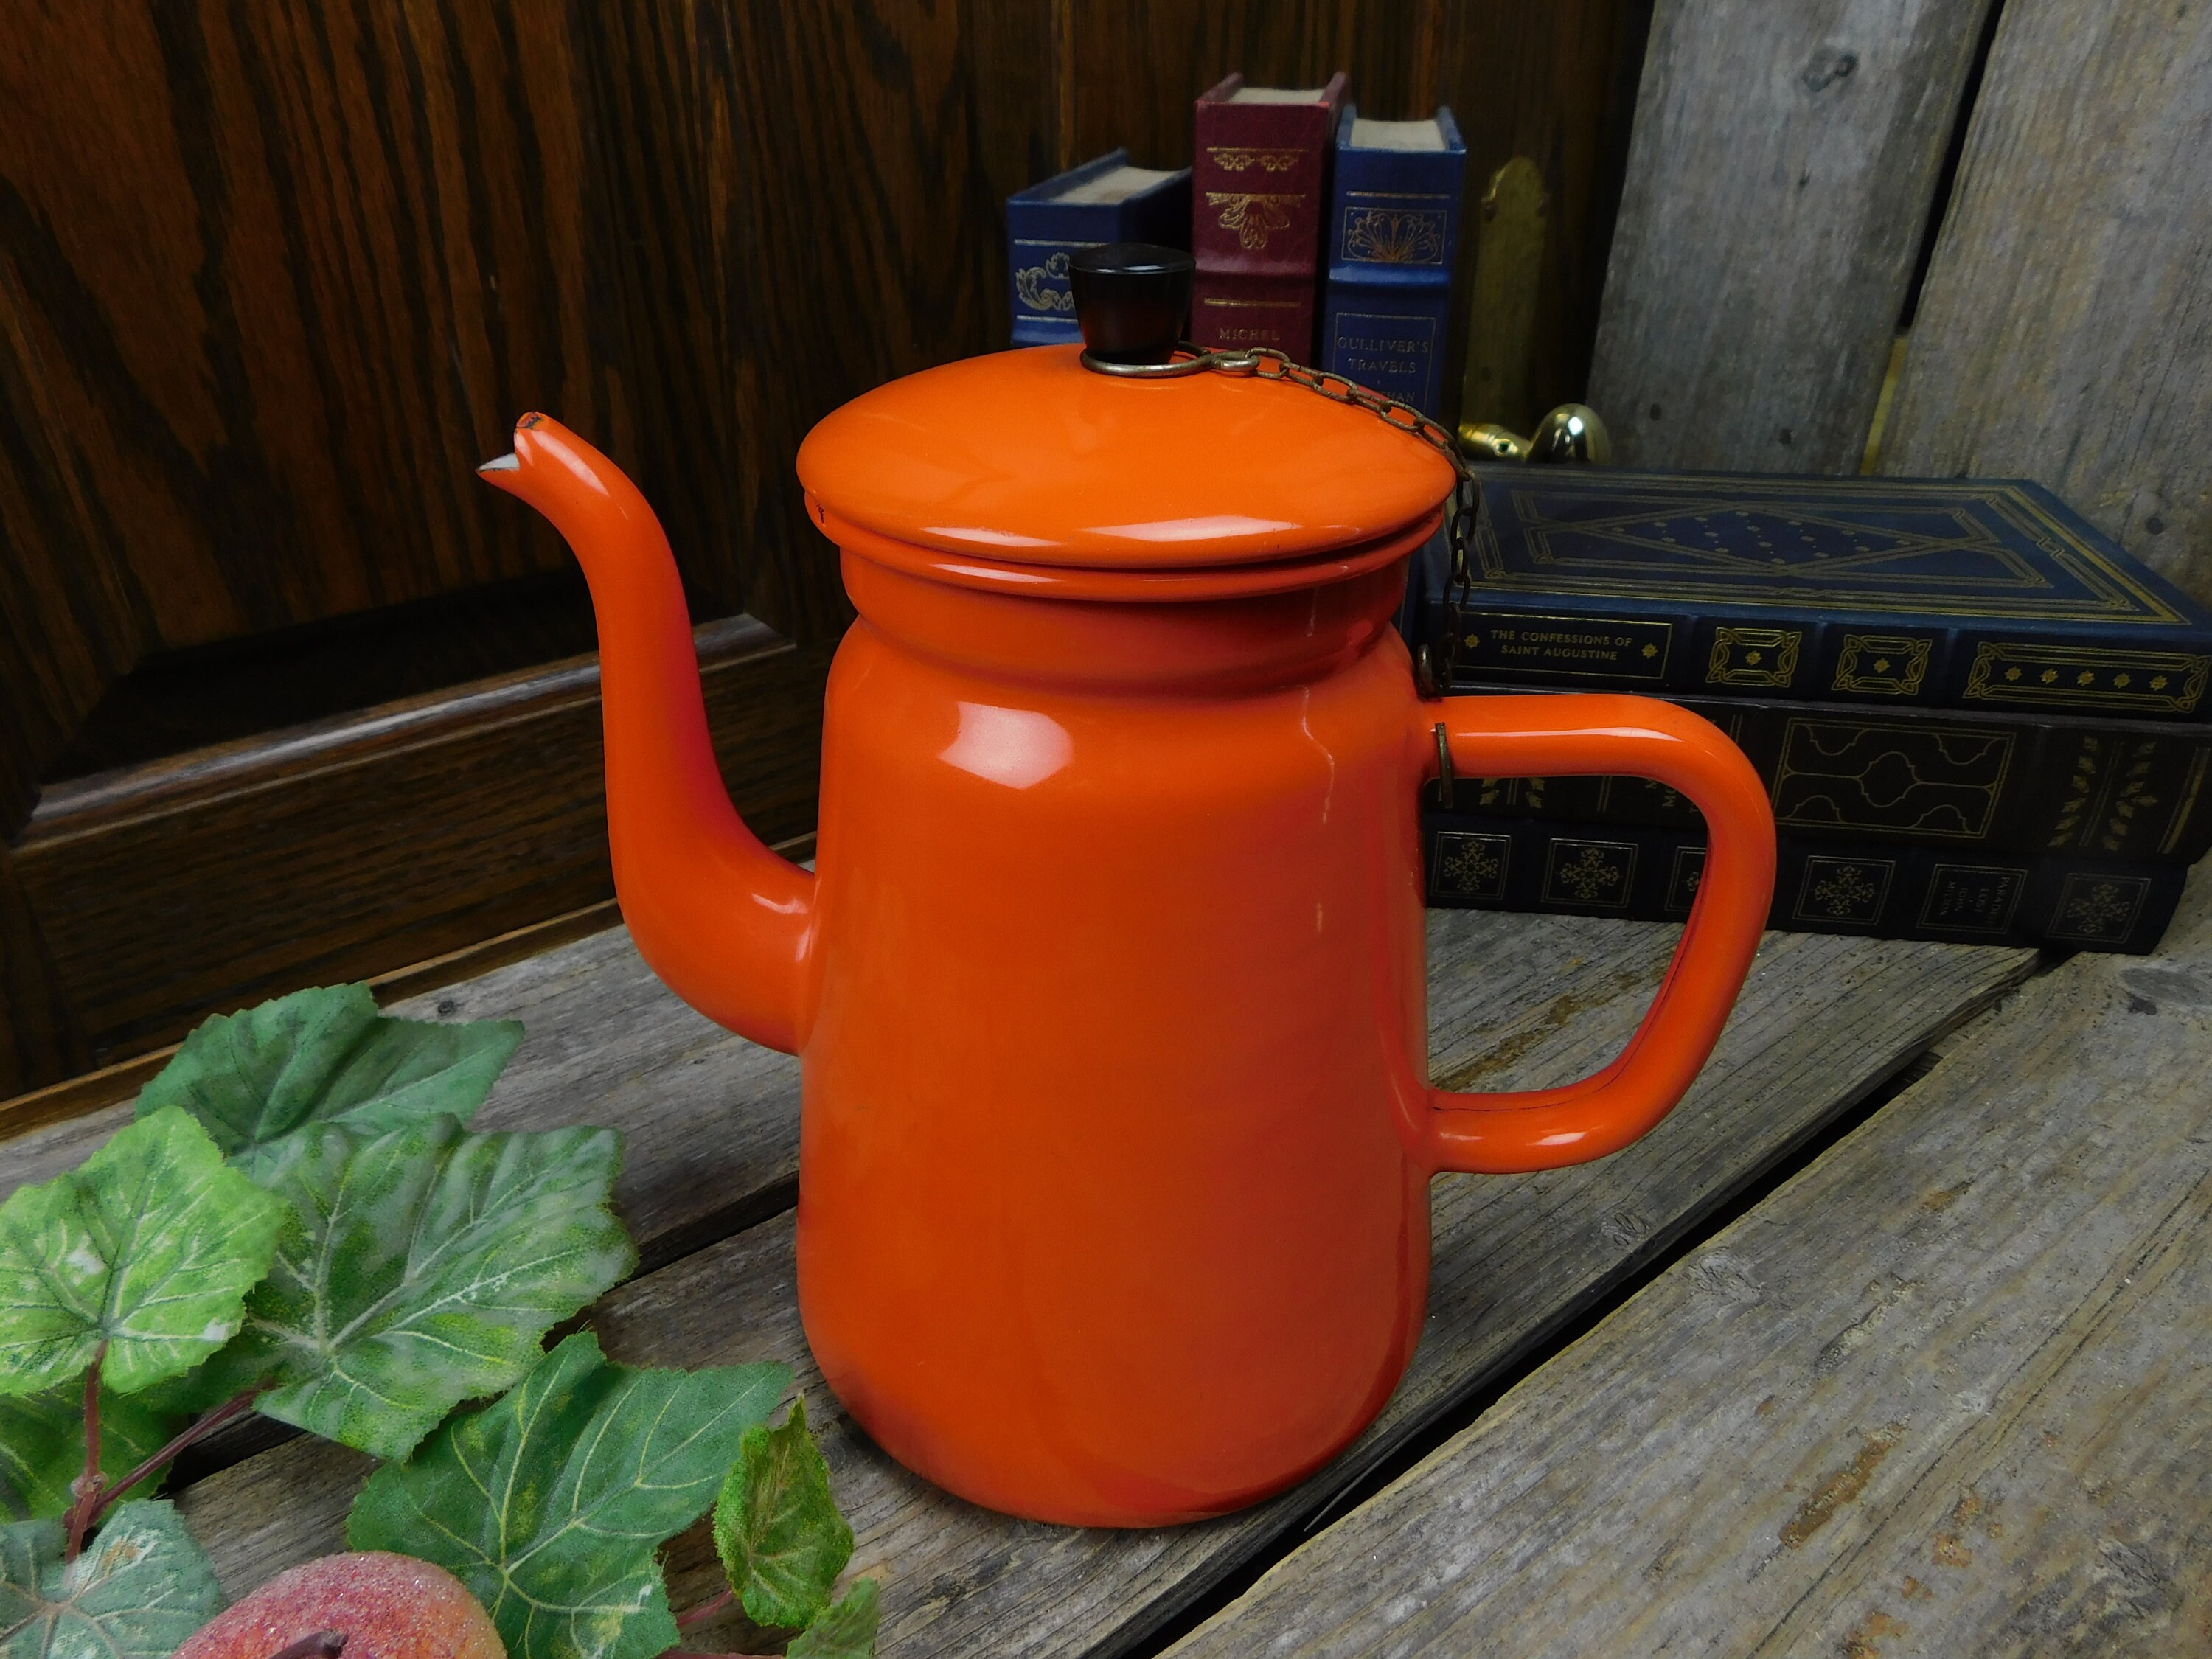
[1215, 526]
[1016, 747]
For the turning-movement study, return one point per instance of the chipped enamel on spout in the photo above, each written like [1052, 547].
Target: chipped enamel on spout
[725, 922]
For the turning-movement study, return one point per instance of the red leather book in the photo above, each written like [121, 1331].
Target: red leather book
[1232, 311]
[1259, 183]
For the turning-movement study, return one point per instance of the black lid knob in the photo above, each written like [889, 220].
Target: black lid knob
[1131, 299]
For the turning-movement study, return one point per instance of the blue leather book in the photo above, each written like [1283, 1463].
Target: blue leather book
[2069, 901]
[1393, 236]
[1102, 201]
[1960, 594]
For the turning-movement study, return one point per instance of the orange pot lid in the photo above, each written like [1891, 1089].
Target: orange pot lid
[1027, 457]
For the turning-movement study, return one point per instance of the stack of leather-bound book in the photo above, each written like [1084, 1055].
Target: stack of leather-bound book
[1978, 717]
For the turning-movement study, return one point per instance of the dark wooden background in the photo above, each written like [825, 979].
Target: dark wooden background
[285, 694]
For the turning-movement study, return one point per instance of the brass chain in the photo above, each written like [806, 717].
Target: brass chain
[1268, 364]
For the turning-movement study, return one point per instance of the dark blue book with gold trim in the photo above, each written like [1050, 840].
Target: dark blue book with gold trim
[1393, 242]
[1959, 593]
[1106, 200]
[1986, 780]
[2067, 901]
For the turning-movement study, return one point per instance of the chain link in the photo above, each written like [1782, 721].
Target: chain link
[1467, 507]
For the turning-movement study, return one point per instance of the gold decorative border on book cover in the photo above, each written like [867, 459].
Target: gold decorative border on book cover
[1592, 873]
[1882, 665]
[1393, 236]
[1254, 216]
[1931, 781]
[1855, 580]
[2111, 792]
[2098, 909]
[1848, 891]
[1754, 656]
[1683, 881]
[2088, 677]
[2190, 787]
[1236, 158]
[1470, 865]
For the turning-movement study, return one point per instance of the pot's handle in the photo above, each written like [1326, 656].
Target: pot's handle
[1572, 734]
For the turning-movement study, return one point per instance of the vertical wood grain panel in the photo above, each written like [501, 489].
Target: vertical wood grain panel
[272, 277]
[875, 147]
[283, 272]
[1556, 83]
[1139, 66]
[658, 84]
[2065, 330]
[1784, 161]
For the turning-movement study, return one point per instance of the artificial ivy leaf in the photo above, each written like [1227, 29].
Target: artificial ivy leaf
[149, 1246]
[327, 1055]
[429, 1265]
[550, 1503]
[140, 1588]
[777, 1528]
[42, 1445]
[846, 1630]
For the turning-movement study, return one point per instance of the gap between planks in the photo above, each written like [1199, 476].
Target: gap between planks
[1824, 1022]
[1947, 1390]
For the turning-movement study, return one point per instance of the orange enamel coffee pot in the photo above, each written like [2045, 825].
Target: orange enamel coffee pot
[1108, 985]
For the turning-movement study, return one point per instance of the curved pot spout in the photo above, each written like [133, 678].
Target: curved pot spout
[725, 922]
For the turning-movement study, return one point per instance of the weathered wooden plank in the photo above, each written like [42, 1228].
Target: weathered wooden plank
[1516, 1001]
[1948, 1391]
[710, 1122]
[2065, 330]
[1782, 170]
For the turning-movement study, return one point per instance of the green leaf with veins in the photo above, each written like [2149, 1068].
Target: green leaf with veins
[327, 1055]
[777, 1528]
[42, 1445]
[550, 1503]
[149, 1247]
[846, 1630]
[429, 1265]
[140, 1588]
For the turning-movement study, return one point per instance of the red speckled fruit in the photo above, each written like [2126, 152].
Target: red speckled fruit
[388, 1607]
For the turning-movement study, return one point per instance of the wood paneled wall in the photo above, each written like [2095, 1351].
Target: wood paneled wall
[273, 274]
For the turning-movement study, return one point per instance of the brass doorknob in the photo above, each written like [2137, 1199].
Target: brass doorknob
[1570, 432]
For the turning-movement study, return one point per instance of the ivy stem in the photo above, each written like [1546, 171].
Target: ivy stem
[197, 1430]
[85, 1490]
[707, 1609]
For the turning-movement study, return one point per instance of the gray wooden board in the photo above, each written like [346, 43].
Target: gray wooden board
[1781, 168]
[1516, 1001]
[709, 1121]
[1948, 1391]
[2064, 333]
